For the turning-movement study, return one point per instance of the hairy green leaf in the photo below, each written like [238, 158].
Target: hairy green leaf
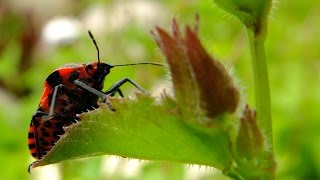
[141, 129]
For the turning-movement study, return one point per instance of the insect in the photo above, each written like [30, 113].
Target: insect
[70, 90]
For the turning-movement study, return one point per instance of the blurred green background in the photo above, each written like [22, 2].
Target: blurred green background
[37, 36]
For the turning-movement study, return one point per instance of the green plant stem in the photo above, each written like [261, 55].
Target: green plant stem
[262, 93]
[261, 82]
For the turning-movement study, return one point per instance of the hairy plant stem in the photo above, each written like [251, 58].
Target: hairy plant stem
[262, 93]
[261, 82]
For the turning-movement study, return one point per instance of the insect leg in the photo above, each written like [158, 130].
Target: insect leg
[101, 95]
[31, 165]
[53, 100]
[52, 104]
[115, 87]
[114, 92]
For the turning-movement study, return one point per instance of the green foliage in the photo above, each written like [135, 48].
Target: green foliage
[141, 129]
[293, 60]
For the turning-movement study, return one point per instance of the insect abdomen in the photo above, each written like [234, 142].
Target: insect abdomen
[32, 142]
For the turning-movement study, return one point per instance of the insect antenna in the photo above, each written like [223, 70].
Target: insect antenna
[141, 63]
[130, 64]
[95, 43]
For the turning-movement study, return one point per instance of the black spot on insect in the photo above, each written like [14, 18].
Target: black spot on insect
[41, 138]
[31, 146]
[65, 103]
[45, 134]
[35, 122]
[59, 124]
[44, 143]
[30, 135]
[54, 79]
[89, 67]
[73, 76]
[47, 124]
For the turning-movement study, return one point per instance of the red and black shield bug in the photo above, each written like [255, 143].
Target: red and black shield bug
[70, 90]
